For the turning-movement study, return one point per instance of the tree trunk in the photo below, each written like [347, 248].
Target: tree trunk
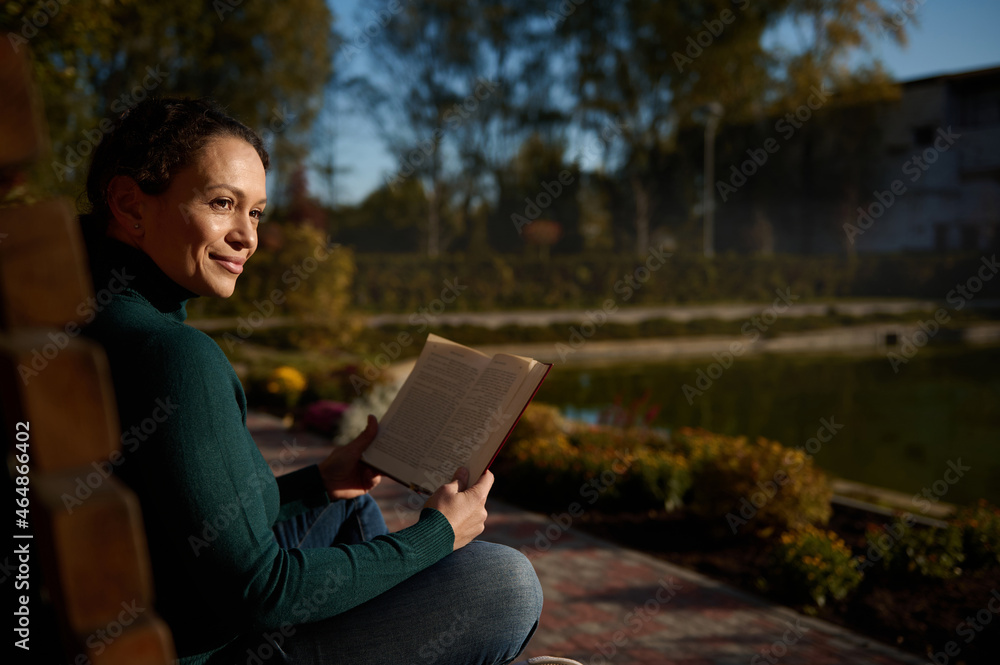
[641, 194]
[433, 223]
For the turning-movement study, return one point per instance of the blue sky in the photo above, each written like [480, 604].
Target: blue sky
[947, 36]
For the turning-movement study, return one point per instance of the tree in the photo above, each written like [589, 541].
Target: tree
[648, 67]
[425, 54]
[464, 84]
[388, 220]
[266, 62]
[537, 184]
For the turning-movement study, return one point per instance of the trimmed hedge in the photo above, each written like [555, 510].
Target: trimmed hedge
[716, 477]
[409, 284]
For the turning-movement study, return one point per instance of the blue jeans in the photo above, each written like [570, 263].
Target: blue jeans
[477, 606]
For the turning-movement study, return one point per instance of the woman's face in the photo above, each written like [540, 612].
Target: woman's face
[204, 227]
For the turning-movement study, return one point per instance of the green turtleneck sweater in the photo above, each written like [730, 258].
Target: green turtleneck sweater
[208, 497]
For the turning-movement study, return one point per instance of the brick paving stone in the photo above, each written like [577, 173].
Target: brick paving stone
[596, 592]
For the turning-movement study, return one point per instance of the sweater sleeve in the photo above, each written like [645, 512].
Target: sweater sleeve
[216, 501]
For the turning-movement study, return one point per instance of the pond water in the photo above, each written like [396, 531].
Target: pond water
[903, 431]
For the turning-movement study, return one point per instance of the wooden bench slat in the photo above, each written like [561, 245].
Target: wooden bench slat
[66, 397]
[44, 278]
[100, 559]
[22, 131]
[141, 643]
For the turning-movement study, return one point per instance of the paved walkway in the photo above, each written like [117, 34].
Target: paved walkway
[608, 604]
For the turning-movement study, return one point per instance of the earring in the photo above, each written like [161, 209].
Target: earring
[135, 226]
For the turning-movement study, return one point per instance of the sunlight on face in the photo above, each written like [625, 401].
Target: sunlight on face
[204, 227]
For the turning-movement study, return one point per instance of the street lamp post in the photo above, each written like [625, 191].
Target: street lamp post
[713, 115]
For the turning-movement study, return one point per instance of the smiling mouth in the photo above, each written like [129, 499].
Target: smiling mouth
[233, 264]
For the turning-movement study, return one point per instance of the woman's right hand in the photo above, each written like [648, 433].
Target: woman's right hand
[463, 506]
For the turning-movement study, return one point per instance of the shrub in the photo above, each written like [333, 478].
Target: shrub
[812, 565]
[300, 277]
[642, 469]
[664, 477]
[978, 527]
[759, 482]
[920, 551]
[539, 421]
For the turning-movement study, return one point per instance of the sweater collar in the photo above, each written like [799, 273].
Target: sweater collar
[120, 268]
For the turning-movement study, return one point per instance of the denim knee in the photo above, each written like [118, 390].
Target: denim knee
[512, 579]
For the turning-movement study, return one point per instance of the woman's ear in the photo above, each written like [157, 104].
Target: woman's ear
[127, 203]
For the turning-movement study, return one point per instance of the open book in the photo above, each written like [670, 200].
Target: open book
[456, 408]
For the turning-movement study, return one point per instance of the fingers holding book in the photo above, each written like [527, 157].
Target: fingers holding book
[463, 505]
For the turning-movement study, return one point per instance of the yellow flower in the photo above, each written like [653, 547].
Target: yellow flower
[286, 378]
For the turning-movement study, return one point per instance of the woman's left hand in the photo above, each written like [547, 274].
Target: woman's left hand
[343, 473]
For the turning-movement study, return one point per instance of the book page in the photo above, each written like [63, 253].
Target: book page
[443, 374]
[471, 430]
[516, 401]
[455, 409]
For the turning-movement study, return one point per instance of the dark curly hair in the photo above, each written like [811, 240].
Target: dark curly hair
[152, 141]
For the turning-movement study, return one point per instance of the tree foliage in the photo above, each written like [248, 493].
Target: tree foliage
[266, 62]
[651, 67]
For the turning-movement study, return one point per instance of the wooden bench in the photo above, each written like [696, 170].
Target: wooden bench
[82, 536]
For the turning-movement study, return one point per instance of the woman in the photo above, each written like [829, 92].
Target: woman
[248, 568]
